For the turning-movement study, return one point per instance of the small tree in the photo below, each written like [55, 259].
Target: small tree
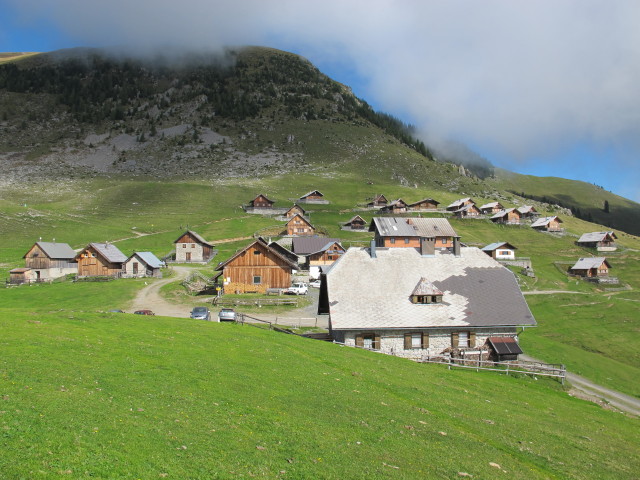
[606, 206]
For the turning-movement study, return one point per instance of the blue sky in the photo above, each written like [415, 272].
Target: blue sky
[545, 88]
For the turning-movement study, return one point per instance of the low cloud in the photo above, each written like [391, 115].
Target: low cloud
[518, 80]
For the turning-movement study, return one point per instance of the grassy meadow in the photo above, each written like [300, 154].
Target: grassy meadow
[120, 396]
[90, 394]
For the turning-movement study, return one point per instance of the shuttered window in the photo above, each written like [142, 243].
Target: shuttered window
[416, 340]
[370, 341]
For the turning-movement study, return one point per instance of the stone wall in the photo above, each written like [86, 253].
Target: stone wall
[195, 249]
[392, 342]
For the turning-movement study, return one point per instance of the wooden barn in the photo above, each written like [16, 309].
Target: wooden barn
[356, 223]
[508, 216]
[591, 267]
[100, 259]
[379, 200]
[491, 208]
[191, 247]
[396, 206]
[467, 210]
[424, 234]
[603, 241]
[528, 212]
[261, 201]
[424, 204]
[49, 260]
[317, 250]
[314, 196]
[298, 225]
[458, 204]
[256, 268]
[295, 210]
[142, 264]
[547, 224]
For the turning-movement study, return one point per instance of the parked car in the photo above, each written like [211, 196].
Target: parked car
[116, 310]
[315, 284]
[201, 313]
[144, 312]
[297, 289]
[227, 315]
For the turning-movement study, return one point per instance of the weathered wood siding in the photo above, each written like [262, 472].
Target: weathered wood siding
[261, 202]
[293, 211]
[92, 264]
[257, 261]
[327, 257]
[299, 226]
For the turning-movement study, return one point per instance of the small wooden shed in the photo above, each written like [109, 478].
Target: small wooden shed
[379, 200]
[424, 204]
[256, 268]
[396, 206]
[507, 216]
[547, 224]
[100, 259]
[143, 264]
[591, 267]
[313, 196]
[356, 223]
[261, 201]
[295, 210]
[298, 225]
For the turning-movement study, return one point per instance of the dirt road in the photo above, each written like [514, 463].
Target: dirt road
[149, 297]
[598, 393]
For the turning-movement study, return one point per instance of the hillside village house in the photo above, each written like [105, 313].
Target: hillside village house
[509, 216]
[416, 306]
[314, 196]
[315, 251]
[491, 208]
[591, 267]
[547, 224]
[44, 262]
[256, 268]
[468, 210]
[261, 201]
[142, 264]
[379, 200]
[459, 204]
[298, 225]
[528, 212]
[356, 223]
[603, 241]
[396, 206]
[426, 204]
[295, 210]
[500, 251]
[191, 247]
[425, 234]
[100, 259]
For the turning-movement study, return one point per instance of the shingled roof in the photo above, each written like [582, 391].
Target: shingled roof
[381, 297]
[425, 287]
[595, 237]
[589, 262]
[109, 252]
[541, 222]
[311, 245]
[412, 227]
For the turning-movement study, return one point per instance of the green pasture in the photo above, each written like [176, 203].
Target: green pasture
[94, 395]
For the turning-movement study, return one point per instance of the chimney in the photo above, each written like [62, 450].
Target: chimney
[456, 246]
[372, 249]
[409, 221]
[427, 247]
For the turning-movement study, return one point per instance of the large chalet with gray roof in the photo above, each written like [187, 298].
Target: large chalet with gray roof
[423, 306]
[602, 241]
[412, 232]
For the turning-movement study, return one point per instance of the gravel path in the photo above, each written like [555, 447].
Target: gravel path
[598, 393]
[150, 298]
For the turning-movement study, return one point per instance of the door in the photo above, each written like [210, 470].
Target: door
[188, 256]
[135, 268]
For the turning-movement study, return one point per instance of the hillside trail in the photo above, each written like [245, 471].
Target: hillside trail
[149, 297]
[597, 393]
[551, 292]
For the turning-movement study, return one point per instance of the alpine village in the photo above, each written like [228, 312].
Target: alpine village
[232, 267]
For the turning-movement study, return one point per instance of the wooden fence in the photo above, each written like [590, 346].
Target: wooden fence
[515, 366]
[258, 302]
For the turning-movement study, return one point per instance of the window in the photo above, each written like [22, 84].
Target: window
[257, 279]
[416, 340]
[184, 245]
[426, 299]
[370, 341]
[463, 339]
[256, 252]
[392, 241]
[406, 241]
[193, 245]
[443, 240]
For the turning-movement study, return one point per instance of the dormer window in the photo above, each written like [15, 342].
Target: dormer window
[426, 293]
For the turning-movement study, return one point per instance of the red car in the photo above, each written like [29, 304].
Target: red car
[143, 312]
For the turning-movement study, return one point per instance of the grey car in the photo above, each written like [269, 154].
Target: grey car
[201, 313]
